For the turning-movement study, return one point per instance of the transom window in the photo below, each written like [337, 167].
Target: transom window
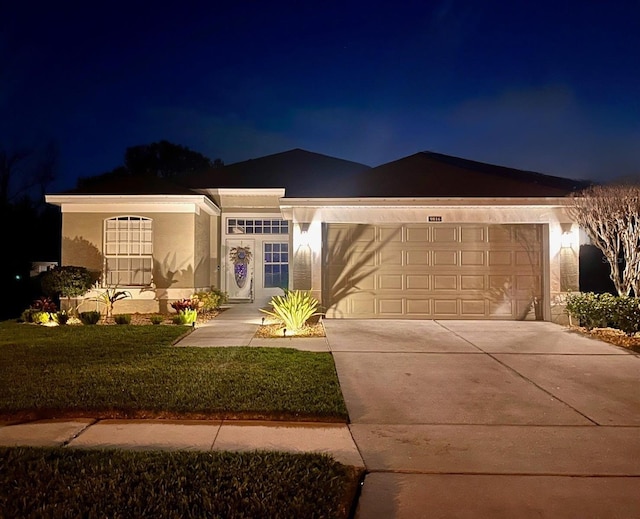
[257, 226]
[276, 265]
[128, 250]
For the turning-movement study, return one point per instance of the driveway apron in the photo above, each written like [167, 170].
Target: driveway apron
[489, 419]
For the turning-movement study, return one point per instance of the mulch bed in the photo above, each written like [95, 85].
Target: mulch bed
[612, 336]
[145, 319]
[269, 330]
[273, 330]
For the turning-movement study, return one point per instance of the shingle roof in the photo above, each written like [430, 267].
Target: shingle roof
[429, 174]
[302, 173]
[129, 185]
[305, 174]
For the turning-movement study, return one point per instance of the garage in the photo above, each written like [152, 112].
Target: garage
[433, 271]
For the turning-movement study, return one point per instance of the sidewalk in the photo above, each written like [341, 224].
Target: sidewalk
[193, 435]
[235, 326]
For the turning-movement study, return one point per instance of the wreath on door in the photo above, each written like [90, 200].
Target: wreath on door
[240, 257]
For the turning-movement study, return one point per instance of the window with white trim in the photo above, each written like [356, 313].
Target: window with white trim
[257, 226]
[276, 265]
[128, 251]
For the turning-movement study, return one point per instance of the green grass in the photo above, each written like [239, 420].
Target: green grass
[45, 482]
[132, 371]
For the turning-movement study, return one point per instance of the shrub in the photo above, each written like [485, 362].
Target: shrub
[61, 317]
[91, 317]
[211, 300]
[27, 315]
[41, 317]
[186, 316]
[68, 281]
[293, 309]
[156, 319]
[592, 310]
[627, 314]
[122, 319]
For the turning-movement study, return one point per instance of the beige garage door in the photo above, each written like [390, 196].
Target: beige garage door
[433, 271]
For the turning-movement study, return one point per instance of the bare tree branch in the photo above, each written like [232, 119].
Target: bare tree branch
[610, 215]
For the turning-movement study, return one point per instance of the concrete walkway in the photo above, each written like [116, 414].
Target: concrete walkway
[450, 418]
[237, 325]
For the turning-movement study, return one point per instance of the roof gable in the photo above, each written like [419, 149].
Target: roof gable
[302, 173]
[429, 174]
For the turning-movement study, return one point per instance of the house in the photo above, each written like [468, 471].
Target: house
[427, 236]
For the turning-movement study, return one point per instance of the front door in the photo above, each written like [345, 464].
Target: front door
[241, 258]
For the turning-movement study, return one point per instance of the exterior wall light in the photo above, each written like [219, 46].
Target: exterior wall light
[304, 235]
[566, 240]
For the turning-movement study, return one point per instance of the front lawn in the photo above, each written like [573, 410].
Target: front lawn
[134, 372]
[42, 482]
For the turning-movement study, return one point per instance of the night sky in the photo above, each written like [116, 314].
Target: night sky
[545, 86]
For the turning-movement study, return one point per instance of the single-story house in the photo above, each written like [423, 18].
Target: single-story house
[428, 236]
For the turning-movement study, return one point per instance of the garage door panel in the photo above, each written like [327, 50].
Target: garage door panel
[362, 307]
[418, 282]
[473, 308]
[364, 282]
[418, 258]
[499, 258]
[445, 307]
[365, 234]
[526, 283]
[445, 258]
[472, 258]
[417, 234]
[445, 282]
[499, 234]
[389, 257]
[472, 282]
[430, 271]
[501, 309]
[362, 258]
[472, 234]
[445, 234]
[390, 281]
[418, 308]
[392, 234]
[393, 307]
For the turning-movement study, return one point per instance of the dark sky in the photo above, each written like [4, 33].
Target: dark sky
[549, 86]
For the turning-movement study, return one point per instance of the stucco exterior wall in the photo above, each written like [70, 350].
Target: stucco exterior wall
[202, 234]
[173, 250]
[82, 237]
[174, 264]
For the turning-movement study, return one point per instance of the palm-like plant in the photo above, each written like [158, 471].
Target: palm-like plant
[293, 309]
[110, 296]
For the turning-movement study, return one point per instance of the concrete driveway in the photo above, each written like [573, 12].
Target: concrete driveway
[490, 419]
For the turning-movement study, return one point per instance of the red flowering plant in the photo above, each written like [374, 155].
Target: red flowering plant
[44, 304]
[192, 303]
[187, 310]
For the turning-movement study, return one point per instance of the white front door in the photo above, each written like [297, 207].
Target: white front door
[240, 261]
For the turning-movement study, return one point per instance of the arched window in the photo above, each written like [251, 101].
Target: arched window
[128, 251]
